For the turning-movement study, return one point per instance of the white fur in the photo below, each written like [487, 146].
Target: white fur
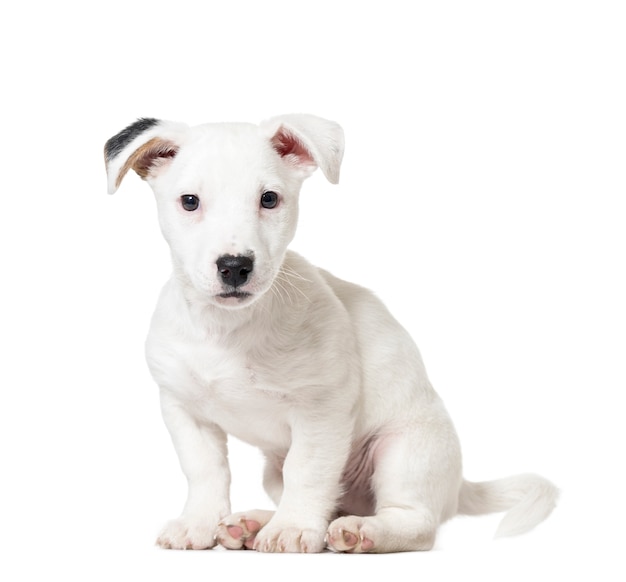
[361, 454]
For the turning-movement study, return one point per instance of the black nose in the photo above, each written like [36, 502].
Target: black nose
[234, 270]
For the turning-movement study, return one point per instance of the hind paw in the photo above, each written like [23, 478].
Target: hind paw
[349, 534]
[238, 531]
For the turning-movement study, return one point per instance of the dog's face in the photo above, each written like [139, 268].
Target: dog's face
[228, 210]
[227, 194]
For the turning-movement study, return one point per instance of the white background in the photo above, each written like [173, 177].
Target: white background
[482, 198]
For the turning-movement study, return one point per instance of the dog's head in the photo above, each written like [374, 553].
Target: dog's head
[227, 194]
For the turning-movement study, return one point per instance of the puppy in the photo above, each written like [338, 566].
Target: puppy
[250, 339]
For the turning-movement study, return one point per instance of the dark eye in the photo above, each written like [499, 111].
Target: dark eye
[190, 202]
[269, 199]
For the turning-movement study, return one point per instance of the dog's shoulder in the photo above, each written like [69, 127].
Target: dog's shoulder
[354, 298]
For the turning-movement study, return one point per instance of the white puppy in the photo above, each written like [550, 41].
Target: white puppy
[250, 339]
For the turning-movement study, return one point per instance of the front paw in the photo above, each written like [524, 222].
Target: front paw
[289, 539]
[187, 534]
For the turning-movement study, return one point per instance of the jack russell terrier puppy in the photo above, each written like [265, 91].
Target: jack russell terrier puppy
[250, 339]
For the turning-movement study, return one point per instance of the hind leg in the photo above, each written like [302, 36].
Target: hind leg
[239, 530]
[416, 478]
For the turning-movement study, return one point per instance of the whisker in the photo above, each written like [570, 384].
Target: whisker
[293, 273]
[285, 281]
[279, 290]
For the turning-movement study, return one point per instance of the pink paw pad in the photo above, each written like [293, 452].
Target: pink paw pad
[353, 540]
[235, 532]
[349, 539]
[244, 533]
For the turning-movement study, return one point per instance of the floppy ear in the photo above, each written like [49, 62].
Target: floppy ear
[144, 146]
[307, 142]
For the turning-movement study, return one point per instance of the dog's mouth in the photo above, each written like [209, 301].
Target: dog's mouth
[235, 294]
[233, 298]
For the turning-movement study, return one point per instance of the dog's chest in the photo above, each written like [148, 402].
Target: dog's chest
[234, 389]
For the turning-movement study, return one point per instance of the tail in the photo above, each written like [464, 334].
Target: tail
[528, 500]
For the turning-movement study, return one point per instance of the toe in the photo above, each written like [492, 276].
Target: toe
[234, 531]
[238, 535]
[341, 540]
[348, 534]
[367, 545]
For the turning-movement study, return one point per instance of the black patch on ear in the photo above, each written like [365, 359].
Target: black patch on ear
[118, 142]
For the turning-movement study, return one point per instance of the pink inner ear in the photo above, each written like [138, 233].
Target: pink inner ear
[288, 145]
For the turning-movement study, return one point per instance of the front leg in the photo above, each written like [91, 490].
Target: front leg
[201, 450]
[311, 485]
